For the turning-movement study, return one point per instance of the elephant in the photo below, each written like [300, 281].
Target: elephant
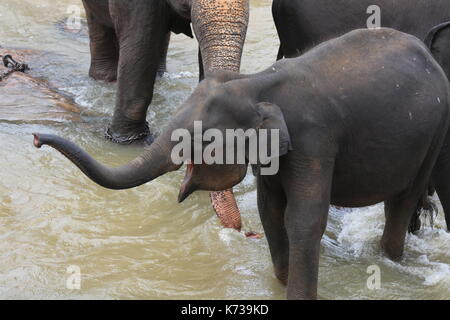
[129, 42]
[302, 24]
[361, 119]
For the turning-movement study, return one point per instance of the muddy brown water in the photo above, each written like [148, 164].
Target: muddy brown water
[140, 243]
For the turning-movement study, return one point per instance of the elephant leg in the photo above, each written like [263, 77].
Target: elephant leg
[398, 212]
[441, 178]
[163, 63]
[308, 200]
[104, 50]
[141, 29]
[271, 207]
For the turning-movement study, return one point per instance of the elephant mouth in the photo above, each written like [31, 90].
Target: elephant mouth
[187, 187]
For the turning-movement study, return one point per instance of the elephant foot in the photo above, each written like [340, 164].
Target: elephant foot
[143, 135]
[393, 251]
[103, 72]
[282, 275]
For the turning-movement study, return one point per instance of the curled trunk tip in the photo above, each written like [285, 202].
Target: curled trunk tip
[37, 141]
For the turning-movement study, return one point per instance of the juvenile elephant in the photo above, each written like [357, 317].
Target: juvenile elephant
[129, 40]
[361, 119]
[302, 24]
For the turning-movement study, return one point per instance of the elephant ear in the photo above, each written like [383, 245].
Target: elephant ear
[438, 38]
[181, 7]
[270, 117]
[180, 18]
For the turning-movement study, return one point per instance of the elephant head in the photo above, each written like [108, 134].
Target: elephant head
[218, 105]
[438, 41]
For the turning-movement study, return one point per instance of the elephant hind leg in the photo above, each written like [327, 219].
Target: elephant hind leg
[104, 51]
[398, 212]
[425, 206]
[401, 210]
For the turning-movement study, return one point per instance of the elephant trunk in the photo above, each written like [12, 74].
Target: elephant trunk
[151, 164]
[220, 27]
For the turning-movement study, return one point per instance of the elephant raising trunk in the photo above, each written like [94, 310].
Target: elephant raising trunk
[148, 166]
[220, 27]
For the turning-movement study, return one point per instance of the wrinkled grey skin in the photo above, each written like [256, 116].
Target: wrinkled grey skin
[362, 119]
[129, 41]
[302, 24]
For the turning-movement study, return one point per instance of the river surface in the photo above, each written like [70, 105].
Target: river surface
[139, 243]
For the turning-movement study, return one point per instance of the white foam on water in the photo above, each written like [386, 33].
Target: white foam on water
[426, 255]
[431, 249]
[361, 228]
[180, 75]
[228, 236]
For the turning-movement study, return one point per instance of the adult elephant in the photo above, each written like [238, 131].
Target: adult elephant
[301, 24]
[129, 41]
[363, 118]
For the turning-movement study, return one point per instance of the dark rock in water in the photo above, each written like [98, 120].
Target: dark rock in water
[42, 102]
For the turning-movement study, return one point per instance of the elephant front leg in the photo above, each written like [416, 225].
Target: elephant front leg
[271, 207]
[308, 199]
[141, 33]
[398, 212]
